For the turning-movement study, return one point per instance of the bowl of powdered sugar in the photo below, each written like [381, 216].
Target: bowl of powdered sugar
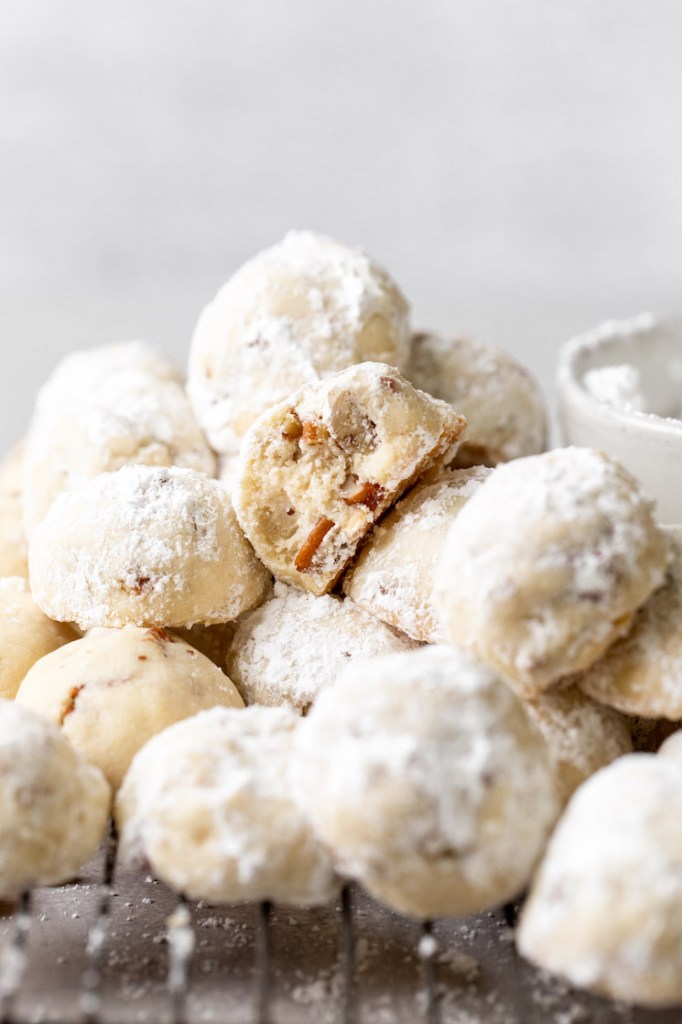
[620, 389]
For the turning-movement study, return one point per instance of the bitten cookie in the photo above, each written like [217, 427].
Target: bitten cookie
[320, 468]
[499, 399]
[126, 415]
[144, 546]
[605, 910]
[393, 575]
[295, 645]
[209, 805]
[26, 635]
[547, 563]
[581, 735]
[53, 805]
[13, 544]
[424, 776]
[641, 674]
[116, 688]
[293, 314]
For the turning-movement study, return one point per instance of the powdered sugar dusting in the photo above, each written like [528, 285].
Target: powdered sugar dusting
[542, 589]
[143, 544]
[295, 645]
[393, 577]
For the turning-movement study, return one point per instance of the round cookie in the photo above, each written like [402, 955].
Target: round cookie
[320, 468]
[209, 805]
[293, 314]
[499, 399]
[295, 645]
[116, 688]
[26, 635]
[605, 910]
[393, 575]
[128, 417]
[424, 776]
[546, 565]
[671, 748]
[83, 372]
[581, 735]
[13, 545]
[641, 674]
[146, 546]
[54, 806]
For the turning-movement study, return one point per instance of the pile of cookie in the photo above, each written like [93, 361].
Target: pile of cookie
[332, 612]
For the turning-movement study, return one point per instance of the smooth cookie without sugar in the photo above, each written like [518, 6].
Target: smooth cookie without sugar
[293, 646]
[144, 546]
[54, 806]
[293, 314]
[392, 577]
[114, 689]
[320, 468]
[547, 563]
[209, 805]
[499, 399]
[418, 771]
[605, 910]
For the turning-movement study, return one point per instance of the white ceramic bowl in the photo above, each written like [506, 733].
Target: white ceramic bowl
[620, 389]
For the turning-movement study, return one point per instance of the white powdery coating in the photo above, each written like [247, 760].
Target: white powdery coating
[620, 387]
[418, 770]
[53, 805]
[606, 906]
[544, 566]
[210, 803]
[393, 576]
[146, 546]
[313, 457]
[79, 373]
[641, 674]
[498, 397]
[581, 735]
[292, 314]
[101, 410]
[295, 645]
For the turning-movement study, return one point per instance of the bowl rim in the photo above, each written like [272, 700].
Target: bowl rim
[571, 388]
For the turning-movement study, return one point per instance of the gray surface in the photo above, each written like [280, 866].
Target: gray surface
[517, 165]
[480, 978]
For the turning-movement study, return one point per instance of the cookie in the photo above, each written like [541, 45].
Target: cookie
[545, 566]
[581, 735]
[26, 634]
[641, 674]
[295, 645]
[144, 546]
[497, 396]
[116, 688]
[320, 468]
[54, 806]
[293, 314]
[13, 544]
[423, 774]
[393, 575]
[102, 419]
[209, 805]
[605, 910]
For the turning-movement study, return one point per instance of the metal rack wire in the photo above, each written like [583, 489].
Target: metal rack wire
[431, 944]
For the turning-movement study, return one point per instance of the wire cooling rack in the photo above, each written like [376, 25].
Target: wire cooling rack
[114, 948]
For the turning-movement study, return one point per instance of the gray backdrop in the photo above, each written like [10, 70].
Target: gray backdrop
[516, 165]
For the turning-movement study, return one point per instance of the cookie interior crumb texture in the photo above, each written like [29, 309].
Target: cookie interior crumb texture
[319, 469]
